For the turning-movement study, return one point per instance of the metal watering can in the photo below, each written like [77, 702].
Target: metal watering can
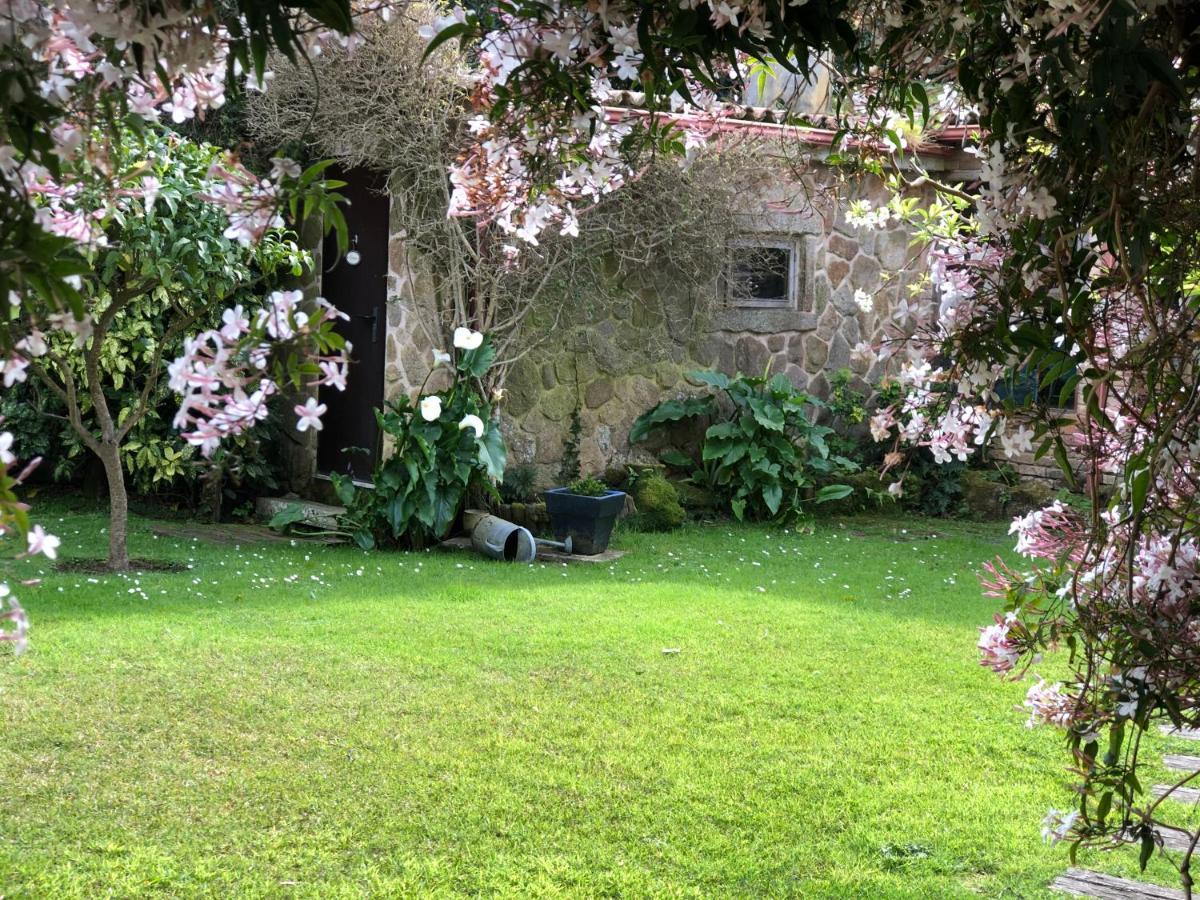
[499, 539]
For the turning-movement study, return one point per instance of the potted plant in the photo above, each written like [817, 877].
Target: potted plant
[585, 512]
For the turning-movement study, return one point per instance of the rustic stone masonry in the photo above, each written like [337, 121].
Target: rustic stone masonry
[617, 361]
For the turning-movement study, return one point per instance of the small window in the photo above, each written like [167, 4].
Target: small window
[762, 272]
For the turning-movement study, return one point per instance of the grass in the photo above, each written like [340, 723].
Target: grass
[306, 721]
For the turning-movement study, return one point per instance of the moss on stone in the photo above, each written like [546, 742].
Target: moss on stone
[657, 503]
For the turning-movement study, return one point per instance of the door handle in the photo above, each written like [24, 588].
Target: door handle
[373, 318]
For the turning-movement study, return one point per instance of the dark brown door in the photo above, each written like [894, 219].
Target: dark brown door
[357, 285]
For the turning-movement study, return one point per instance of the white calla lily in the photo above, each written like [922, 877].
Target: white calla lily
[473, 422]
[431, 408]
[466, 339]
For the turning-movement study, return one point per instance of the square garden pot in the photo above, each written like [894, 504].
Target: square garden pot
[587, 521]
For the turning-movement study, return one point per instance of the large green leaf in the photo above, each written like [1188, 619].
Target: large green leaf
[445, 509]
[492, 454]
[713, 379]
[669, 411]
[476, 362]
[677, 459]
[766, 413]
[833, 492]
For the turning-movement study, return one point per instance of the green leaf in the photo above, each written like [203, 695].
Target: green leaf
[1139, 485]
[669, 411]
[289, 515]
[713, 379]
[677, 459]
[1147, 848]
[1103, 807]
[492, 454]
[833, 492]
[476, 362]
[448, 33]
[344, 487]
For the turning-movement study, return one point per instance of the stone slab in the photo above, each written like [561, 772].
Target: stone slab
[1178, 794]
[1191, 734]
[318, 515]
[1181, 762]
[544, 554]
[1085, 883]
[1169, 838]
[225, 535]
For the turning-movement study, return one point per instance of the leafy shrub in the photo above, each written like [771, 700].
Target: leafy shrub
[848, 410]
[589, 487]
[518, 484]
[570, 469]
[658, 507]
[420, 487]
[765, 455]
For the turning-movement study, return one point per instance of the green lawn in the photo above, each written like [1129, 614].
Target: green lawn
[305, 721]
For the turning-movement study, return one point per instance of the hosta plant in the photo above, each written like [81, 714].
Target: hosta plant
[762, 452]
[441, 445]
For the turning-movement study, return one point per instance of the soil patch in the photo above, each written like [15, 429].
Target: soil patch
[100, 566]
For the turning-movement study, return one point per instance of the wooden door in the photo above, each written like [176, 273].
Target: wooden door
[357, 285]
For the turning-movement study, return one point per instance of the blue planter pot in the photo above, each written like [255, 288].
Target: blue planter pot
[587, 521]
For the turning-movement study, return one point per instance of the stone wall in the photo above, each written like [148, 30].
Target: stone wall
[621, 357]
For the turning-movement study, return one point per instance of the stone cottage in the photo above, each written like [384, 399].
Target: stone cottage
[785, 304]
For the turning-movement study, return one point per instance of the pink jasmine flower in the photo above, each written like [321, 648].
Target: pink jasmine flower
[1000, 652]
[310, 415]
[1057, 825]
[41, 542]
[235, 323]
[1047, 704]
[282, 167]
[333, 374]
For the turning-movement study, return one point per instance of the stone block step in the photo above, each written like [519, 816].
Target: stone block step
[317, 515]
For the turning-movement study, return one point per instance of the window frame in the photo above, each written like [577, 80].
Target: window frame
[770, 242]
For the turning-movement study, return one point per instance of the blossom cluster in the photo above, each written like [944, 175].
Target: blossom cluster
[531, 168]
[224, 376]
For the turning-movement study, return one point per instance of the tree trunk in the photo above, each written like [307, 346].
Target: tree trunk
[118, 505]
[212, 493]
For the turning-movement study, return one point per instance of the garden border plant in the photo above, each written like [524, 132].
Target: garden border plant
[763, 452]
[443, 445]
